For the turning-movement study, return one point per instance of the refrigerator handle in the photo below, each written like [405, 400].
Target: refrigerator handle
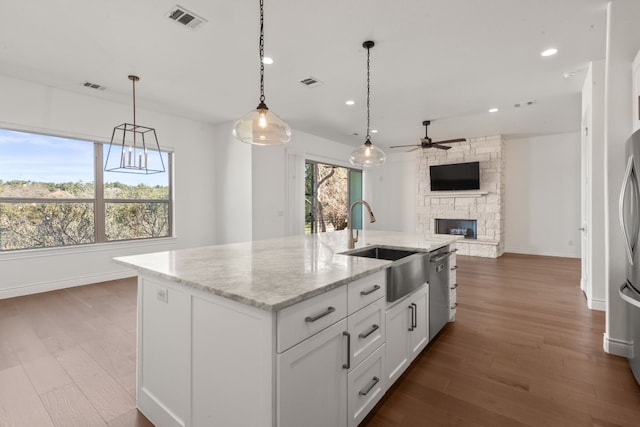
[625, 182]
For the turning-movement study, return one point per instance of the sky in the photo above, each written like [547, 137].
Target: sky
[43, 158]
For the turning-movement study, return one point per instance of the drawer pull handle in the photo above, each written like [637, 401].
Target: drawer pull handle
[455, 305]
[369, 387]
[454, 286]
[370, 291]
[311, 319]
[455, 267]
[348, 364]
[371, 330]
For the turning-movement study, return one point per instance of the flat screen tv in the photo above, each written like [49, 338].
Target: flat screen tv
[454, 177]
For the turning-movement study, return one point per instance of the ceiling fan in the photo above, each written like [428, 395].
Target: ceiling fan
[427, 142]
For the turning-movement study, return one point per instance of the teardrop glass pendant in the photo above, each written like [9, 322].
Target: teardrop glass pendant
[367, 155]
[262, 127]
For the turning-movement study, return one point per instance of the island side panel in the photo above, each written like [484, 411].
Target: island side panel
[163, 359]
[213, 364]
[233, 374]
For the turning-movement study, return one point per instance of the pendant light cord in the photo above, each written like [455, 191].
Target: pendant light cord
[261, 51]
[133, 82]
[368, 92]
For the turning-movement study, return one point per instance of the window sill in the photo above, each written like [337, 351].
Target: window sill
[94, 247]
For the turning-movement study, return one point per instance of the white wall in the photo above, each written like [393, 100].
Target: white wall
[278, 182]
[232, 170]
[623, 42]
[594, 285]
[543, 195]
[37, 108]
[391, 191]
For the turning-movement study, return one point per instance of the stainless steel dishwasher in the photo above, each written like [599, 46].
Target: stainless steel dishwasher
[438, 290]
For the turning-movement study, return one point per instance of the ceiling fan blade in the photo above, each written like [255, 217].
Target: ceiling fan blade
[414, 149]
[398, 146]
[442, 147]
[446, 141]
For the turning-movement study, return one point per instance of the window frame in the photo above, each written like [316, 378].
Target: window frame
[98, 201]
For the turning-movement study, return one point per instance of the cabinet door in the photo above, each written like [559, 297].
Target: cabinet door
[312, 381]
[398, 319]
[419, 335]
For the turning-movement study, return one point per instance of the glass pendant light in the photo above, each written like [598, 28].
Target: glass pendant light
[134, 148]
[261, 126]
[368, 155]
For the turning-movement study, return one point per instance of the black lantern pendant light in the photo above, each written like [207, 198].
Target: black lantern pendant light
[368, 155]
[261, 126]
[134, 148]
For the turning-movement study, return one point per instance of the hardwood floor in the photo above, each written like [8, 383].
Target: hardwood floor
[524, 350]
[67, 358]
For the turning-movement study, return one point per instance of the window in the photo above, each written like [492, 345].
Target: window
[329, 191]
[54, 192]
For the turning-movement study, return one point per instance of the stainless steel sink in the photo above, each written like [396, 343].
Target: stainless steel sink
[382, 253]
[409, 270]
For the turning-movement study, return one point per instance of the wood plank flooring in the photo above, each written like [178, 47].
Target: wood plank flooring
[67, 358]
[524, 351]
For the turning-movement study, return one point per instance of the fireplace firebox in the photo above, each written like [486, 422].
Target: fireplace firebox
[459, 227]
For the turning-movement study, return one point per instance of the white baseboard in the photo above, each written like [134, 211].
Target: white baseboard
[617, 347]
[529, 251]
[597, 304]
[37, 288]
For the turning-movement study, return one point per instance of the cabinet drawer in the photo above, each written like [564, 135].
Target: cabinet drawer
[367, 331]
[365, 290]
[365, 386]
[300, 321]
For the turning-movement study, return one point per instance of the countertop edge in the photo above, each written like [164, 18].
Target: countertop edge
[250, 301]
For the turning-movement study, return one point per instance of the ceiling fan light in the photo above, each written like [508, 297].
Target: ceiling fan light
[367, 155]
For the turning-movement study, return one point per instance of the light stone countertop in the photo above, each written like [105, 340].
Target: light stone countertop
[275, 273]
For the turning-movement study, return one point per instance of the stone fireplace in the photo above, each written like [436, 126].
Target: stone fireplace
[477, 213]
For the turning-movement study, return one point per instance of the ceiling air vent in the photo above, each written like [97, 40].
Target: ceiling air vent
[93, 86]
[311, 82]
[183, 17]
[524, 104]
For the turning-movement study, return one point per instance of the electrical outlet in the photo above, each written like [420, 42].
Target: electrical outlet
[162, 295]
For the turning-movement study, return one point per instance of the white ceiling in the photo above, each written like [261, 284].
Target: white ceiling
[444, 60]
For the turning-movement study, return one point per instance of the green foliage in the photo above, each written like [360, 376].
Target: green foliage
[48, 223]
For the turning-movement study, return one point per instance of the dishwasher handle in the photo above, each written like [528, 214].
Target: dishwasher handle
[440, 257]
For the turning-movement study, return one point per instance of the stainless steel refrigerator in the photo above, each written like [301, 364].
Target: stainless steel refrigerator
[629, 211]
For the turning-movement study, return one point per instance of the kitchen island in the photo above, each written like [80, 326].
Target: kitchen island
[265, 333]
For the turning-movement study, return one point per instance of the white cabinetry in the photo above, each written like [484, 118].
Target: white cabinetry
[330, 360]
[453, 286]
[312, 381]
[407, 331]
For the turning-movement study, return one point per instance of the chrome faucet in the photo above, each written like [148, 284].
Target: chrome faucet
[353, 240]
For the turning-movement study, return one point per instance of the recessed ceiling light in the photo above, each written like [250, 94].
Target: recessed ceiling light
[493, 110]
[374, 130]
[267, 61]
[549, 52]
[350, 102]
